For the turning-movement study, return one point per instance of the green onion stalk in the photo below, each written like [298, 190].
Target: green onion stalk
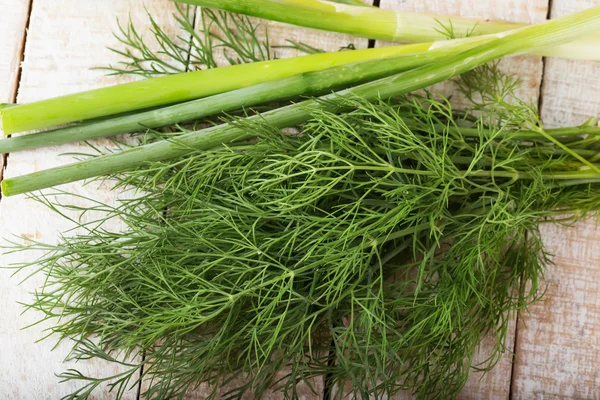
[309, 83]
[303, 84]
[543, 35]
[177, 88]
[113, 101]
[376, 23]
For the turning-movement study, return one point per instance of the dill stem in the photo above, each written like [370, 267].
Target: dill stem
[255, 95]
[304, 84]
[495, 173]
[410, 231]
[561, 30]
[532, 134]
[377, 23]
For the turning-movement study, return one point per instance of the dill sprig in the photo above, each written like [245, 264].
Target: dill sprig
[220, 36]
[208, 40]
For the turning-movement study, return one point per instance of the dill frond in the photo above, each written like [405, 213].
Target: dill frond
[234, 38]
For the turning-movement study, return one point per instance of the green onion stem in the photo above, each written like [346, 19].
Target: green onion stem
[178, 88]
[297, 85]
[308, 83]
[557, 31]
[377, 23]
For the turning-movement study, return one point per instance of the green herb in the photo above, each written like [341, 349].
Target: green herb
[377, 247]
[238, 41]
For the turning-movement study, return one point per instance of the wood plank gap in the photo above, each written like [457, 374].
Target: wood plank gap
[544, 62]
[22, 52]
[328, 385]
[191, 39]
[371, 45]
[514, 359]
[138, 395]
[17, 85]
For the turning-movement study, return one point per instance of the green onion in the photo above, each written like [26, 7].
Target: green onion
[546, 34]
[177, 88]
[376, 23]
[308, 83]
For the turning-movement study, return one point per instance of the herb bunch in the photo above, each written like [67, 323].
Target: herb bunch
[374, 247]
[390, 240]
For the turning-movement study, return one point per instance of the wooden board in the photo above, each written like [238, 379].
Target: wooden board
[558, 344]
[66, 38]
[13, 19]
[495, 384]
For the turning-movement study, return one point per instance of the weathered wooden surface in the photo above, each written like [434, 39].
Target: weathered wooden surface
[558, 343]
[12, 35]
[558, 348]
[66, 38]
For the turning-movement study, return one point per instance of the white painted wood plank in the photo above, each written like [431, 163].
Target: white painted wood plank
[495, 384]
[558, 345]
[66, 38]
[13, 17]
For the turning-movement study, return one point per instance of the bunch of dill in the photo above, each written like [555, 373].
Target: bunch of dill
[374, 247]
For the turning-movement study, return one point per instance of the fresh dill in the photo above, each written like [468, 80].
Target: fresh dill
[394, 237]
[220, 37]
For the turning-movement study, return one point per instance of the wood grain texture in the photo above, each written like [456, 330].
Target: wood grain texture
[558, 345]
[66, 38]
[495, 384]
[13, 17]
